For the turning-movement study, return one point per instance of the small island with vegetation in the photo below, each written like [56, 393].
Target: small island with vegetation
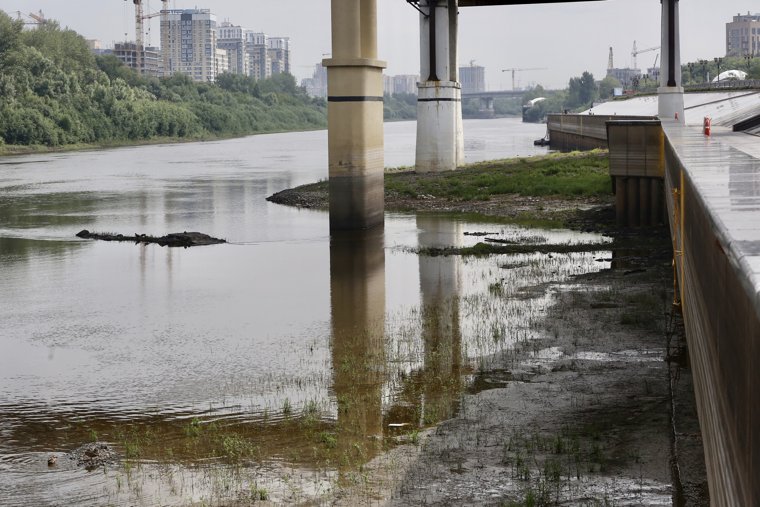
[551, 190]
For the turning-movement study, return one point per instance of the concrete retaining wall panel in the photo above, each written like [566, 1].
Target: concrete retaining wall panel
[723, 331]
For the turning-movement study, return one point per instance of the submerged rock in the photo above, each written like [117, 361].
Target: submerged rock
[183, 239]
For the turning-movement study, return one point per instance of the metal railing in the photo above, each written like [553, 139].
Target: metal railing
[726, 84]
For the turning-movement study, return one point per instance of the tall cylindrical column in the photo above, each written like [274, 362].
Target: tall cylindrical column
[440, 143]
[355, 117]
[670, 92]
[369, 28]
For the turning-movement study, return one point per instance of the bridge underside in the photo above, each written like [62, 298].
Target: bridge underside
[486, 3]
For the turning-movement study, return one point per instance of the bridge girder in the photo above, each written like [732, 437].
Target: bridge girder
[484, 3]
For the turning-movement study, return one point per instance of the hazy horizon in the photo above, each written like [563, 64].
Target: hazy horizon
[567, 39]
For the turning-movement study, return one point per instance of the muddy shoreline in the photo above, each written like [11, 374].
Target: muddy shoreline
[546, 210]
[599, 411]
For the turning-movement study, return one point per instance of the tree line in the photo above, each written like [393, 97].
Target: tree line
[55, 92]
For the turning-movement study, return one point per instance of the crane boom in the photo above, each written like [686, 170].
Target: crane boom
[635, 52]
[513, 70]
[39, 17]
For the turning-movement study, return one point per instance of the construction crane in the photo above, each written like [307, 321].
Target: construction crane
[139, 30]
[37, 19]
[639, 51]
[520, 70]
[654, 67]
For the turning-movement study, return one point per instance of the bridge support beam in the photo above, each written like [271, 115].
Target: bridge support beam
[440, 143]
[670, 92]
[355, 117]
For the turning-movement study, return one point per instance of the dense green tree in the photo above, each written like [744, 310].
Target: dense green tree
[10, 33]
[581, 91]
[607, 87]
[54, 92]
[400, 106]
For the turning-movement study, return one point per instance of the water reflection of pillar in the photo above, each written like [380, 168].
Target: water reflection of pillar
[441, 333]
[357, 292]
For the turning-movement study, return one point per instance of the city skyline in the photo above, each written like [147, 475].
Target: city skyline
[567, 39]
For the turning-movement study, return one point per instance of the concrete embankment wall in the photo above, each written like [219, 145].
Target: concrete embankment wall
[710, 192]
[568, 132]
[637, 165]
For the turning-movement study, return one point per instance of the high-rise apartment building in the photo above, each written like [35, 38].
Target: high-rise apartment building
[188, 41]
[256, 47]
[405, 83]
[316, 86]
[231, 38]
[743, 35]
[278, 49]
[472, 78]
[402, 83]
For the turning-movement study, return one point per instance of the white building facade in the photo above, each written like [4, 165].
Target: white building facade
[188, 41]
[231, 38]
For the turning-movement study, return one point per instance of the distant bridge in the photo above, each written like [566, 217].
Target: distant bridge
[487, 98]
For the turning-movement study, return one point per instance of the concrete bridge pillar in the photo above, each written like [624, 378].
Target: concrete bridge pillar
[670, 92]
[486, 106]
[355, 117]
[440, 143]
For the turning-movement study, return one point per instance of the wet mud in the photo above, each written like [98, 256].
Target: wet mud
[596, 411]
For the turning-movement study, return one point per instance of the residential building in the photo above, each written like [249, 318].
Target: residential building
[472, 78]
[222, 61]
[97, 47]
[152, 62]
[405, 83]
[316, 86]
[257, 53]
[743, 35]
[278, 49]
[231, 38]
[388, 85]
[188, 38]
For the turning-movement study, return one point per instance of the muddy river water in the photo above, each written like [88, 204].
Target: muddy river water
[273, 367]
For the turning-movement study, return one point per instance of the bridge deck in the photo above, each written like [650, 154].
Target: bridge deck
[483, 3]
[713, 189]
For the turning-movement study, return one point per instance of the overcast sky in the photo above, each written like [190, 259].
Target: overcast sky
[564, 38]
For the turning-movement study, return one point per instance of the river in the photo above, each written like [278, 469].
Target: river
[305, 356]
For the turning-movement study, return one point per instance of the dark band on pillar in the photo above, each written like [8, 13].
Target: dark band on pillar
[357, 98]
[439, 100]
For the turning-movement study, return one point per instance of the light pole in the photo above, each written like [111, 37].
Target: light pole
[703, 63]
[718, 60]
[691, 71]
[748, 57]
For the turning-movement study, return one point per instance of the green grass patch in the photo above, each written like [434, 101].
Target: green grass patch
[563, 175]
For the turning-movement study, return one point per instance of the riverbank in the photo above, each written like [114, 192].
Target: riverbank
[9, 150]
[599, 409]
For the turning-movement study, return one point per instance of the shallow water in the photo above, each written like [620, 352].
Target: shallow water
[304, 354]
